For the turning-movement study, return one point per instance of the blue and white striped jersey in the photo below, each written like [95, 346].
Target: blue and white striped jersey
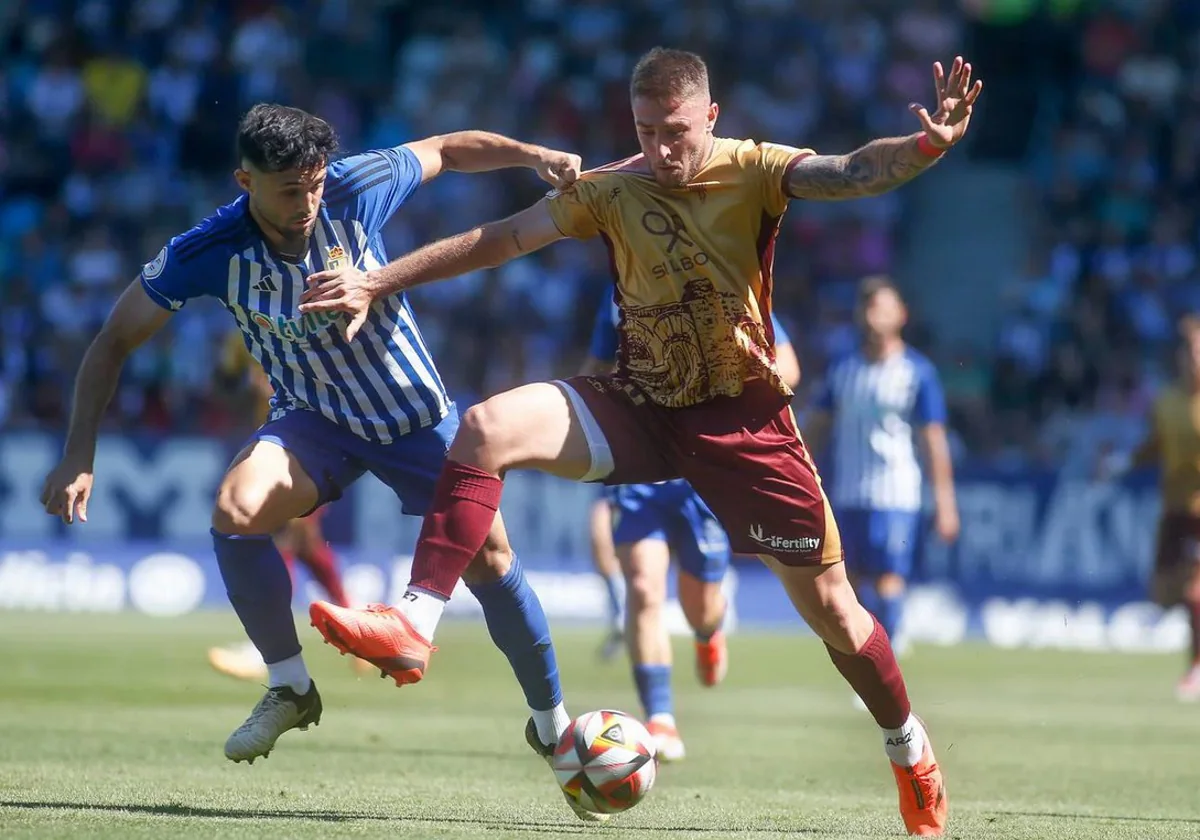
[380, 386]
[876, 407]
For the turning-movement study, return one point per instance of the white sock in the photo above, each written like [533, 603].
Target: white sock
[551, 724]
[906, 745]
[424, 609]
[290, 672]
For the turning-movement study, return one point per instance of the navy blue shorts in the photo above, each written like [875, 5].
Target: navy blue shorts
[879, 542]
[334, 457]
[673, 513]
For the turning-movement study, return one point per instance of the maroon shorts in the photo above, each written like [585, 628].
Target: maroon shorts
[742, 454]
[1176, 553]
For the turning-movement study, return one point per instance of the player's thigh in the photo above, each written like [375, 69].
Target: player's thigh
[531, 427]
[290, 466]
[644, 555]
[770, 502]
[264, 488]
[623, 432]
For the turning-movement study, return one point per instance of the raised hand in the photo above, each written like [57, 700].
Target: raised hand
[956, 97]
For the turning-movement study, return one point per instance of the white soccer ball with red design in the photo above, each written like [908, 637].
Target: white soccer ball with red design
[605, 761]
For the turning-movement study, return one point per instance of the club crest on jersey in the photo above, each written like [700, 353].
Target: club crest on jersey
[335, 257]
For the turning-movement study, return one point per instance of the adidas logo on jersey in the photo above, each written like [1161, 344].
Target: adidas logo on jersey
[267, 284]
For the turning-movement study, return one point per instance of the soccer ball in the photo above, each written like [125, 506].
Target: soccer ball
[605, 761]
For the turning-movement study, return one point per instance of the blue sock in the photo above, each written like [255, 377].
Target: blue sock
[518, 626]
[260, 590]
[654, 689]
[891, 610]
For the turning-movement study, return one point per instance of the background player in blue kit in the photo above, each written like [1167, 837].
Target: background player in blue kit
[870, 407]
[650, 523]
[340, 408]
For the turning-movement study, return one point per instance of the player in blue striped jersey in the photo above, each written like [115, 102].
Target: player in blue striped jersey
[340, 408]
[870, 407]
[648, 524]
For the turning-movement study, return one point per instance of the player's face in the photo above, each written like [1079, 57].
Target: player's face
[286, 201]
[675, 136]
[884, 314]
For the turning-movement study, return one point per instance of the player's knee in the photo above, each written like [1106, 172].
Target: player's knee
[239, 511]
[480, 437]
[644, 592]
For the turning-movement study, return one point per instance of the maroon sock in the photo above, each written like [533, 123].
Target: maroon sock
[456, 526]
[875, 677]
[1193, 610]
[322, 564]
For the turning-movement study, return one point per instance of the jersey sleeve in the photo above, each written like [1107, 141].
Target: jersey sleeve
[576, 211]
[604, 332]
[370, 187]
[781, 334]
[930, 405]
[775, 162]
[185, 268]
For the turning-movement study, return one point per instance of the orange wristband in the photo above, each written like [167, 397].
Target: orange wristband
[927, 148]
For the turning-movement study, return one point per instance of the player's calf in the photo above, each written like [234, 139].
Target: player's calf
[862, 652]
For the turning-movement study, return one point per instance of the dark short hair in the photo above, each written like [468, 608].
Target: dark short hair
[870, 286]
[665, 74]
[276, 138]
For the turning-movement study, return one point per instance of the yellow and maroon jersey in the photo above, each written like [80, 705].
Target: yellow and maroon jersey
[1177, 429]
[692, 264]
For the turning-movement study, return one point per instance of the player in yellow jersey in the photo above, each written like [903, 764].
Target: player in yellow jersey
[1174, 446]
[690, 226]
[301, 539]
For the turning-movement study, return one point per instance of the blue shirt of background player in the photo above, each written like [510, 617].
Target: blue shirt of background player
[876, 407]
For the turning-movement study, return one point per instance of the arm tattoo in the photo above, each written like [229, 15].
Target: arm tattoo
[516, 238]
[876, 168]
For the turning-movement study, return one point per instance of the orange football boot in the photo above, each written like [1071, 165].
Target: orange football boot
[712, 660]
[379, 634]
[923, 803]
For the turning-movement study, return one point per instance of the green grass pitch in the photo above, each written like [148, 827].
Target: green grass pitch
[113, 726]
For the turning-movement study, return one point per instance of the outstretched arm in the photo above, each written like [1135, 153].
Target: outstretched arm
[876, 168]
[885, 164]
[483, 151]
[486, 246]
[134, 319]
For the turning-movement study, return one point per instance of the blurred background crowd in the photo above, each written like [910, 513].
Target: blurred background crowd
[1046, 264]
